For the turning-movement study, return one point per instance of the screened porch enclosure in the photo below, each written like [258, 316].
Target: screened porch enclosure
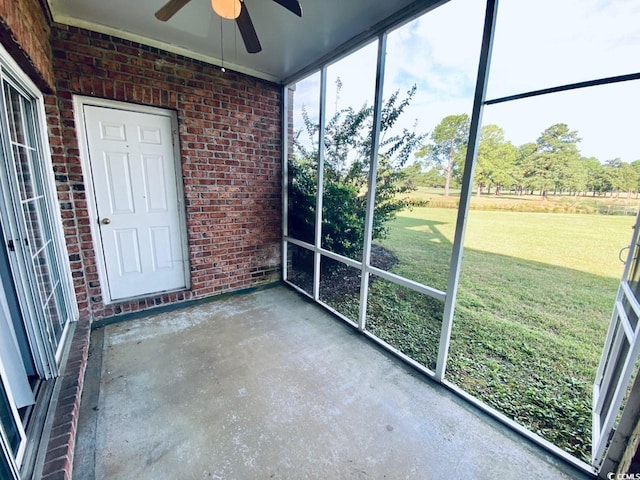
[452, 183]
[181, 395]
[429, 281]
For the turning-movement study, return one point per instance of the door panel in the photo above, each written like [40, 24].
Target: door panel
[154, 179]
[620, 354]
[134, 179]
[10, 356]
[118, 183]
[10, 425]
[128, 253]
[10, 296]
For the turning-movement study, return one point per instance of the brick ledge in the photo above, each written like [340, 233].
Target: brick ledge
[58, 459]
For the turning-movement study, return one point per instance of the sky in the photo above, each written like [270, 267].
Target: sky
[537, 45]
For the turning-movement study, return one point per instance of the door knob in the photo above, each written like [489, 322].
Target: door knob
[106, 221]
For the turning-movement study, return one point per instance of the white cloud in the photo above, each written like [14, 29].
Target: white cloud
[604, 116]
[549, 42]
[537, 45]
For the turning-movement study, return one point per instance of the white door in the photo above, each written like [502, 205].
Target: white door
[620, 354]
[134, 180]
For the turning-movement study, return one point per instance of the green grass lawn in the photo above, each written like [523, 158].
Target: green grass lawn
[535, 297]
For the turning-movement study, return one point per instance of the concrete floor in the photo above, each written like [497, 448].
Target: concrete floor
[268, 385]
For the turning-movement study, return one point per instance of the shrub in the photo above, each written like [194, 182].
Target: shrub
[347, 144]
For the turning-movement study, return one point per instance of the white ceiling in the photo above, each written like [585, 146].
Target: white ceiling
[289, 43]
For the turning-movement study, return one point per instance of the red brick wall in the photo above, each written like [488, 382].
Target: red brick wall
[24, 32]
[229, 127]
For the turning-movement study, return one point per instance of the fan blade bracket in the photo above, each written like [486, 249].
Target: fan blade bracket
[292, 5]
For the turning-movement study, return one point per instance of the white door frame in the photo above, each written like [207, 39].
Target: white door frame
[79, 103]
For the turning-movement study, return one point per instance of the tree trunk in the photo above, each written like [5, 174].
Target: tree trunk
[447, 182]
[449, 171]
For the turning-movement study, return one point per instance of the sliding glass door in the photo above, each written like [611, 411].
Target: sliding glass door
[30, 220]
[36, 289]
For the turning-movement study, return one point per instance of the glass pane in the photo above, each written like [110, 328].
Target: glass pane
[631, 313]
[300, 267]
[405, 319]
[539, 273]
[8, 421]
[22, 158]
[616, 369]
[61, 307]
[303, 130]
[634, 272]
[43, 275]
[54, 320]
[340, 287]
[56, 311]
[29, 121]
[34, 231]
[595, 127]
[5, 468]
[349, 98]
[424, 135]
[418, 245]
[15, 118]
[531, 317]
[548, 43]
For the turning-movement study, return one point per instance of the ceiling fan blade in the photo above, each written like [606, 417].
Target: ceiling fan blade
[170, 9]
[247, 30]
[292, 5]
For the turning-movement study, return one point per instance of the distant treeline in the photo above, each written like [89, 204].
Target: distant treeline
[551, 164]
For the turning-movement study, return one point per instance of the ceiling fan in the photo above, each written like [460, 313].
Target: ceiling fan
[232, 10]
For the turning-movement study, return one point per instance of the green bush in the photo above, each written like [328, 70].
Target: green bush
[347, 150]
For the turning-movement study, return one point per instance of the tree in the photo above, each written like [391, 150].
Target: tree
[636, 166]
[593, 174]
[627, 178]
[347, 143]
[520, 179]
[496, 160]
[622, 176]
[448, 146]
[547, 168]
[576, 177]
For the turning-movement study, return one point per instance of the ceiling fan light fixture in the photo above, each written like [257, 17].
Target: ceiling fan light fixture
[229, 9]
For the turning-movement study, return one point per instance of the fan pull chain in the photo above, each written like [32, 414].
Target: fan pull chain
[222, 47]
